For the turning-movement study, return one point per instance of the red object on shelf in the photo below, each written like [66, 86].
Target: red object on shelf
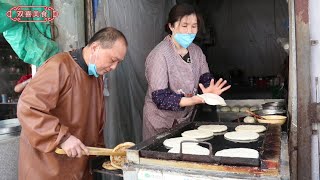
[24, 78]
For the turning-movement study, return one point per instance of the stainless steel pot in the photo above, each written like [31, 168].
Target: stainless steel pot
[9, 126]
[270, 112]
[273, 106]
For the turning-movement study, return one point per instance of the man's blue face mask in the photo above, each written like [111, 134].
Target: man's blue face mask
[92, 68]
[184, 39]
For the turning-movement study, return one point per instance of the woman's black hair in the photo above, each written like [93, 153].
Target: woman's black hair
[178, 12]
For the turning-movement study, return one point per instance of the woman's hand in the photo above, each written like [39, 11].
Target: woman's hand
[74, 147]
[191, 101]
[215, 88]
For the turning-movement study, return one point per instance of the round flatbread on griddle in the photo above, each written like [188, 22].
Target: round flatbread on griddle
[213, 128]
[241, 136]
[172, 142]
[251, 128]
[190, 149]
[238, 152]
[197, 134]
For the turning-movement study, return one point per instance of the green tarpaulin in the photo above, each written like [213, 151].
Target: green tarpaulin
[31, 41]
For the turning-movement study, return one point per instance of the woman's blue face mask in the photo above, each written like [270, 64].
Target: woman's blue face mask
[184, 39]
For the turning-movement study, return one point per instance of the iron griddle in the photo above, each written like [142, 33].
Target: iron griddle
[154, 148]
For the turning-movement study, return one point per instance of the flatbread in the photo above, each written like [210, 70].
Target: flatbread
[107, 165]
[249, 119]
[213, 128]
[251, 128]
[190, 149]
[238, 152]
[241, 136]
[172, 142]
[212, 99]
[118, 161]
[197, 134]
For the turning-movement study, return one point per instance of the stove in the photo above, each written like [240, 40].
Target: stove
[153, 153]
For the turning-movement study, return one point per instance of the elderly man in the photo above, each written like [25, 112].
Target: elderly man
[63, 106]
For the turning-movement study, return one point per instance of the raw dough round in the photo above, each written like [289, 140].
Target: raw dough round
[197, 134]
[253, 108]
[213, 128]
[190, 149]
[244, 109]
[235, 109]
[238, 152]
[251, 128]
[241, 136]
[172, 142]
[212, 99]
[225, 109]
[249, 119]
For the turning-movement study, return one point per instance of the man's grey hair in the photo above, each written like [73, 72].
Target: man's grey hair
[107, 37]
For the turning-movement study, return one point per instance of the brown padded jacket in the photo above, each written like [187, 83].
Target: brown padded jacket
[61, 100]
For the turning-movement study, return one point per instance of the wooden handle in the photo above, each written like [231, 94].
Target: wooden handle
[255, 115]
[96, 151]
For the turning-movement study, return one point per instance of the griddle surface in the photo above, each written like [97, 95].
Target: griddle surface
[156, 149]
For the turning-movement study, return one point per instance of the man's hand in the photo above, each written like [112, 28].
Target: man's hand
[215, 88]
[74, 147]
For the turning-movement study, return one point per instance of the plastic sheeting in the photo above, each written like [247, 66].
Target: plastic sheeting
[142, 22]
[246, 33]
[30, 41]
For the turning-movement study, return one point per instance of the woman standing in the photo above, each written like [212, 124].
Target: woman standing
[175, 69]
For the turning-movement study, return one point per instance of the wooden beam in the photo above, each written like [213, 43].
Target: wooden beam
[304, 90]
[292, 96]
[89, 24]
